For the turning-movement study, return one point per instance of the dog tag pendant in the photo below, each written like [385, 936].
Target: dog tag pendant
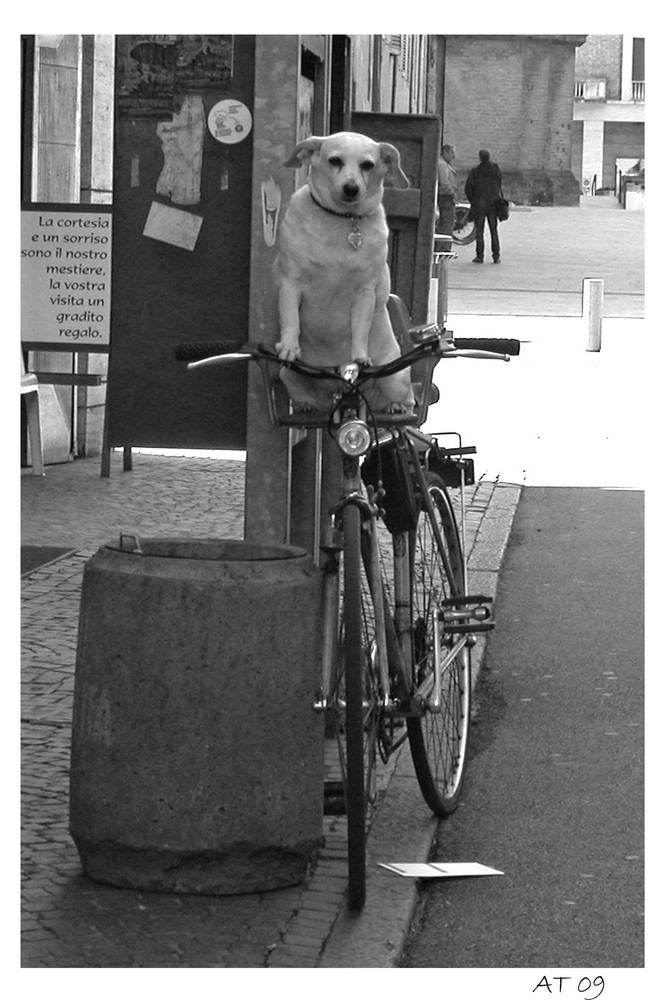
[355, 238]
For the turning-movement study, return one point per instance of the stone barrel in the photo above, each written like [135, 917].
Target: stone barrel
[197, 758]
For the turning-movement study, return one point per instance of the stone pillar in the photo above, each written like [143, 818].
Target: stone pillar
[593, 155]
[626, 88]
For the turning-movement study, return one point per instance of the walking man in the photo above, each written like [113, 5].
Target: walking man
[446, 190]
[482, 188]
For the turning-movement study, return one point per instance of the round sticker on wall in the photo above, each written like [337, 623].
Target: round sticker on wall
[229, 121]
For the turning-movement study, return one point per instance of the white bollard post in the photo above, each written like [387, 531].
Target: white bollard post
[438, 304]
[593, 311]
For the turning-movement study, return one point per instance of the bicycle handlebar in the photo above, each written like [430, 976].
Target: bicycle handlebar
[498, 345]
[432, 346]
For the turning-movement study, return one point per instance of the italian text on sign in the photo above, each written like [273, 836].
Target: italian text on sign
[66, 275]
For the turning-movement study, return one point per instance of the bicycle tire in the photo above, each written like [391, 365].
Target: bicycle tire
[464, 234]
[468, 236]
[361, 710]
[438, 741]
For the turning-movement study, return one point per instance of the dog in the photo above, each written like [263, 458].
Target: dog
[332, 270]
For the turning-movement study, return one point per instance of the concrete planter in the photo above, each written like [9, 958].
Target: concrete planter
[197, 760]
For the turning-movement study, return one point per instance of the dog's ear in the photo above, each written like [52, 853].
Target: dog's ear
[391, 160]
[304, 152]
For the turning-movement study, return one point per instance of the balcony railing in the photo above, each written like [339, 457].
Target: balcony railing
[595, 90]
[590, 90]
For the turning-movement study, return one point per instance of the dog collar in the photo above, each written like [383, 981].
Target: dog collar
[355, 237]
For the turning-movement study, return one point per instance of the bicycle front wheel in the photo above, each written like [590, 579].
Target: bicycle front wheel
[438, 740]
[358, 705]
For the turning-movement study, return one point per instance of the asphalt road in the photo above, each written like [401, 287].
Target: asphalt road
[554, 797]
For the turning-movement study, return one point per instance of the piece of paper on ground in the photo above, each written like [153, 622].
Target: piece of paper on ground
[454, 869]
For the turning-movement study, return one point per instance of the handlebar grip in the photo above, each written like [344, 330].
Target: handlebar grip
[197, 352]
[497, 344]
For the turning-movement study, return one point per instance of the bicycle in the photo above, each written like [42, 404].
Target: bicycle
[398, 621]
[464, 226]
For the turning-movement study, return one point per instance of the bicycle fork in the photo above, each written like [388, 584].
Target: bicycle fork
[331, 545]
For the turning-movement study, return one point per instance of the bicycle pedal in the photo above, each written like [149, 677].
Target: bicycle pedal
[331, 539]
[466, 628]
[465, 599]
[465, 615]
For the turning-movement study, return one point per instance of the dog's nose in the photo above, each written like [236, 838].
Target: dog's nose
[351, 190]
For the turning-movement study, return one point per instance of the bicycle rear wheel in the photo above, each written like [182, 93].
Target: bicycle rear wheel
[357, 705]
[438, 740]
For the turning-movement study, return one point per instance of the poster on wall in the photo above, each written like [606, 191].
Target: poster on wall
[66, 276]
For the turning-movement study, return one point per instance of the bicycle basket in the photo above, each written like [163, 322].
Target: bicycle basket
[389, 464]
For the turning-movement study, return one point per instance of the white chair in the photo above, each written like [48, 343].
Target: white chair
[30, 389]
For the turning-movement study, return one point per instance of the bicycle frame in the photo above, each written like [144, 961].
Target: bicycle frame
[391, 662]
[353, 492]
[348, 407]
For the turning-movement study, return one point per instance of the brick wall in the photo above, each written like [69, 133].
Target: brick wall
[600, 57]
[513, 95]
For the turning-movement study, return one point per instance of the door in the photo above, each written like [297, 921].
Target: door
[410, 213]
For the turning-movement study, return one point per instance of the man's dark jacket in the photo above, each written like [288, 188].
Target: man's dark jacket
[483, 186]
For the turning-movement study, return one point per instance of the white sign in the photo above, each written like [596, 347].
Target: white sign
[66, 276]
[172, 225]
[454, 869]
[229, 121]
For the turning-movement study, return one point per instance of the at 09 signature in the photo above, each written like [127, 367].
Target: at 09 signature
[589, 988]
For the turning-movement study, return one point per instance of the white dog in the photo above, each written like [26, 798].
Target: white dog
[332, 270]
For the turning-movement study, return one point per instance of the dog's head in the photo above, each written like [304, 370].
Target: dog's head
[348, 170]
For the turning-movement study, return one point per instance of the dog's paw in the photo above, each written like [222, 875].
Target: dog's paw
[287, 352]
[361, 361]
[399, 408]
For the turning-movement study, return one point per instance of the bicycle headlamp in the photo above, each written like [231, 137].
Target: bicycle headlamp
[354, 438]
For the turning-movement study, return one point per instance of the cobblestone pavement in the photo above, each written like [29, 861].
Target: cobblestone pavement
[69, 921]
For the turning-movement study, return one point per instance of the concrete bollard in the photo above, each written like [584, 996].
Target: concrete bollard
[197, 759]
[438, 302]
[593, 311]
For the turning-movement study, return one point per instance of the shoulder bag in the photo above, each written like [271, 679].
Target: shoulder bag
[502, 208]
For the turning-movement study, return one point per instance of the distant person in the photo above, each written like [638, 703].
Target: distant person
[447, 189]
[482, 188]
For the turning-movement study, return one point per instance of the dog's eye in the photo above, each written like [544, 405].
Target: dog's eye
[367, 165]
[335, 161]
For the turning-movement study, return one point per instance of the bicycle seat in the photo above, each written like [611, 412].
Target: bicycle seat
[433, 393]
[403, 329]
[401, 321]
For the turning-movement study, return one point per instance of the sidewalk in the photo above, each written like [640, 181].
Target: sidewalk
[72, 922]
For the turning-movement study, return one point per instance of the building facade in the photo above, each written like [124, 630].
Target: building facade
[513, 95]
[608, 141]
